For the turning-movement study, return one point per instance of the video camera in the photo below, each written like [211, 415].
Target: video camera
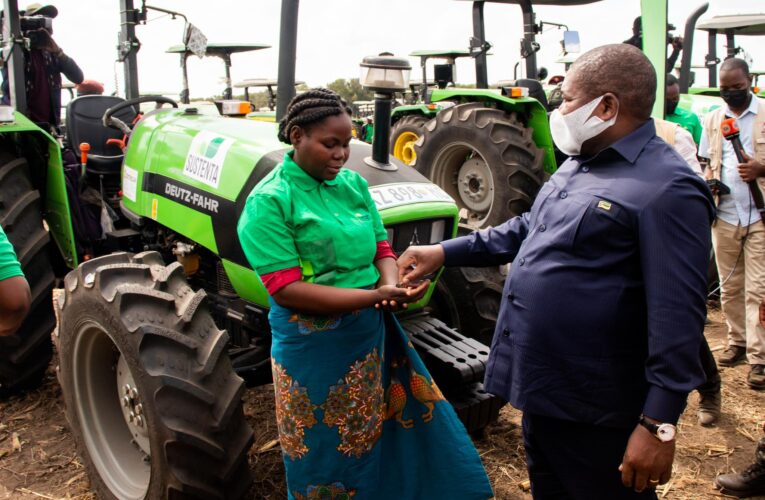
[29, 26]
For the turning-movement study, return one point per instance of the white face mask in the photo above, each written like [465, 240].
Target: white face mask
[571, 130]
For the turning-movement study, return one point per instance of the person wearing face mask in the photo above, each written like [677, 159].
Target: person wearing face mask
[738, 234]
[598, 334]
[686, 119]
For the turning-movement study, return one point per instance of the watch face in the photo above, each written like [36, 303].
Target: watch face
[666, 432]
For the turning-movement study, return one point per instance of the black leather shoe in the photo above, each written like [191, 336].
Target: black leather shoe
[749, 483]
[732, 355]
[756, 378]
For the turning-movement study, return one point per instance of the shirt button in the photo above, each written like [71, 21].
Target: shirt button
[542, 228]
[521, 261]
[585, 169]
[510, 296]
[506, 332]
[563, 195]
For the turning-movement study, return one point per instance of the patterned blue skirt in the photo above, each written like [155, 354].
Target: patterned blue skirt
[360, 417]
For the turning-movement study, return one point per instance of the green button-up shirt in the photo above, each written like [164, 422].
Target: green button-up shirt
[9, 265]
[689, 121]
[329, 229]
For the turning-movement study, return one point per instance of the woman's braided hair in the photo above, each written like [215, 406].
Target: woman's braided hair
[311, 107]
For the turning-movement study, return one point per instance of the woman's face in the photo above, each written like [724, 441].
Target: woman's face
[323, 148]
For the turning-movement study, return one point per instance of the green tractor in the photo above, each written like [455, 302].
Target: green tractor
[491, 149]
[407, 121]
[164, 327]
[704, 99]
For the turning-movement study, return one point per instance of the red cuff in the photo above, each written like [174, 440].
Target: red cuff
[277, 280]
[384, 250]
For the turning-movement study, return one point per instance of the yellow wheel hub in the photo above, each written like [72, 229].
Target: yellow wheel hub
[403, 148]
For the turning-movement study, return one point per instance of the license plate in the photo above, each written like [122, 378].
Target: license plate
[393, 195]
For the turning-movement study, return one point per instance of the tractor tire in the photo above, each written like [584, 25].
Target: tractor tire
[24, 356]
[404, 134]
[468, 299]
[152, 401]
[485, 159]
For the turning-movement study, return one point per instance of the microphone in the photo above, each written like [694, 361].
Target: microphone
[731, 133]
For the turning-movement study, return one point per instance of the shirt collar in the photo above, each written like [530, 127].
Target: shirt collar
[751, 109]
[300, 177]
[630, 146]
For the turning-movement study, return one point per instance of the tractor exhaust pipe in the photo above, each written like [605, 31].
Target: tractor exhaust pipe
[685, 62]
[285, 89]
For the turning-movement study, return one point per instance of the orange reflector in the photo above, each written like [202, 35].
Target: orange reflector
[518, 92]
[432, 107]
[235, 108]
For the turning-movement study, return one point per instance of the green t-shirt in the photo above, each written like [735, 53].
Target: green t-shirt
[689, 121]
[329, 229]
[9, 265]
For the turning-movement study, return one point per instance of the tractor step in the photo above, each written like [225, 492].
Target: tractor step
[452, 359]
[457, 364]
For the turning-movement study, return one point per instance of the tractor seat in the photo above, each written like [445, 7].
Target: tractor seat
[536, 90]
[84, 124]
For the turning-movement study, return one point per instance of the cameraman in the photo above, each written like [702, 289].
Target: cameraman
[636, 40]
[43, 64]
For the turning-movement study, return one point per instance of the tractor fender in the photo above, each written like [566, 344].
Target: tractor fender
[534, 112]
[43, 153]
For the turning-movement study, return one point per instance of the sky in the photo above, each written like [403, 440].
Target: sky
[335, 35]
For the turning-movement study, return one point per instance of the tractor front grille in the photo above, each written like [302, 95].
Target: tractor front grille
[419, 232]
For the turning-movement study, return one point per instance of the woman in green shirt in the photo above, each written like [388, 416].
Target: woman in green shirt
[357, 412]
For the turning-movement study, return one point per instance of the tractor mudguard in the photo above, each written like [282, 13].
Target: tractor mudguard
[531, 108]
[57, 214]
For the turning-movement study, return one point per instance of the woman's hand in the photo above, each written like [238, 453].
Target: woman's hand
[393, 298]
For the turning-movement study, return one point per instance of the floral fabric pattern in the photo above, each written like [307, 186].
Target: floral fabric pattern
[334, 491]
[294, 412]
[308, 323]
[356, 407]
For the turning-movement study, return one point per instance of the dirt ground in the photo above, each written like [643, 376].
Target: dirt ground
[38, 460]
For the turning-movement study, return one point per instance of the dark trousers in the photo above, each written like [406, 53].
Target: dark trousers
[569, 460]
[709, 365]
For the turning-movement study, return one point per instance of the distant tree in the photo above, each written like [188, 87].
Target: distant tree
[351, 90]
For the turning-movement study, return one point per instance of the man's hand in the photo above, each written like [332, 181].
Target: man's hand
[647, 461]
[751, 170]
[419, 261]
[392, 300]
[677, 43]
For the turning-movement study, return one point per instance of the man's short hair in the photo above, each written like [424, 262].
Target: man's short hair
[672, 80]
[622, 70]
[735, 63]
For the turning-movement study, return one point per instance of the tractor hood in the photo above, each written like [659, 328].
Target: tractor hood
[741, 24]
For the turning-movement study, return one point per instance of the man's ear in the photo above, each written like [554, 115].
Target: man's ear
[608, 107]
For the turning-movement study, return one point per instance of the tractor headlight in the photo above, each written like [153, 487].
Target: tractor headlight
[385, 73]
[437, 231]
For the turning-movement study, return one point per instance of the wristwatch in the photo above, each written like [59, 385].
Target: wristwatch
[663, 432]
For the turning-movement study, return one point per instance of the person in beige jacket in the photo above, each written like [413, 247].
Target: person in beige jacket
[738, 235]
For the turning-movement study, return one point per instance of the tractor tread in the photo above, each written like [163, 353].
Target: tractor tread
[196, 396]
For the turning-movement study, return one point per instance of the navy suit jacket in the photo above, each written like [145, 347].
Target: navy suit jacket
[603, 309]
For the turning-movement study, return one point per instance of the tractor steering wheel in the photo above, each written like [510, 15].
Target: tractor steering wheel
[109, 120]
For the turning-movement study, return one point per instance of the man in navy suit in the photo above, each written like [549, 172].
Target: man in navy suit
[598, 334]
